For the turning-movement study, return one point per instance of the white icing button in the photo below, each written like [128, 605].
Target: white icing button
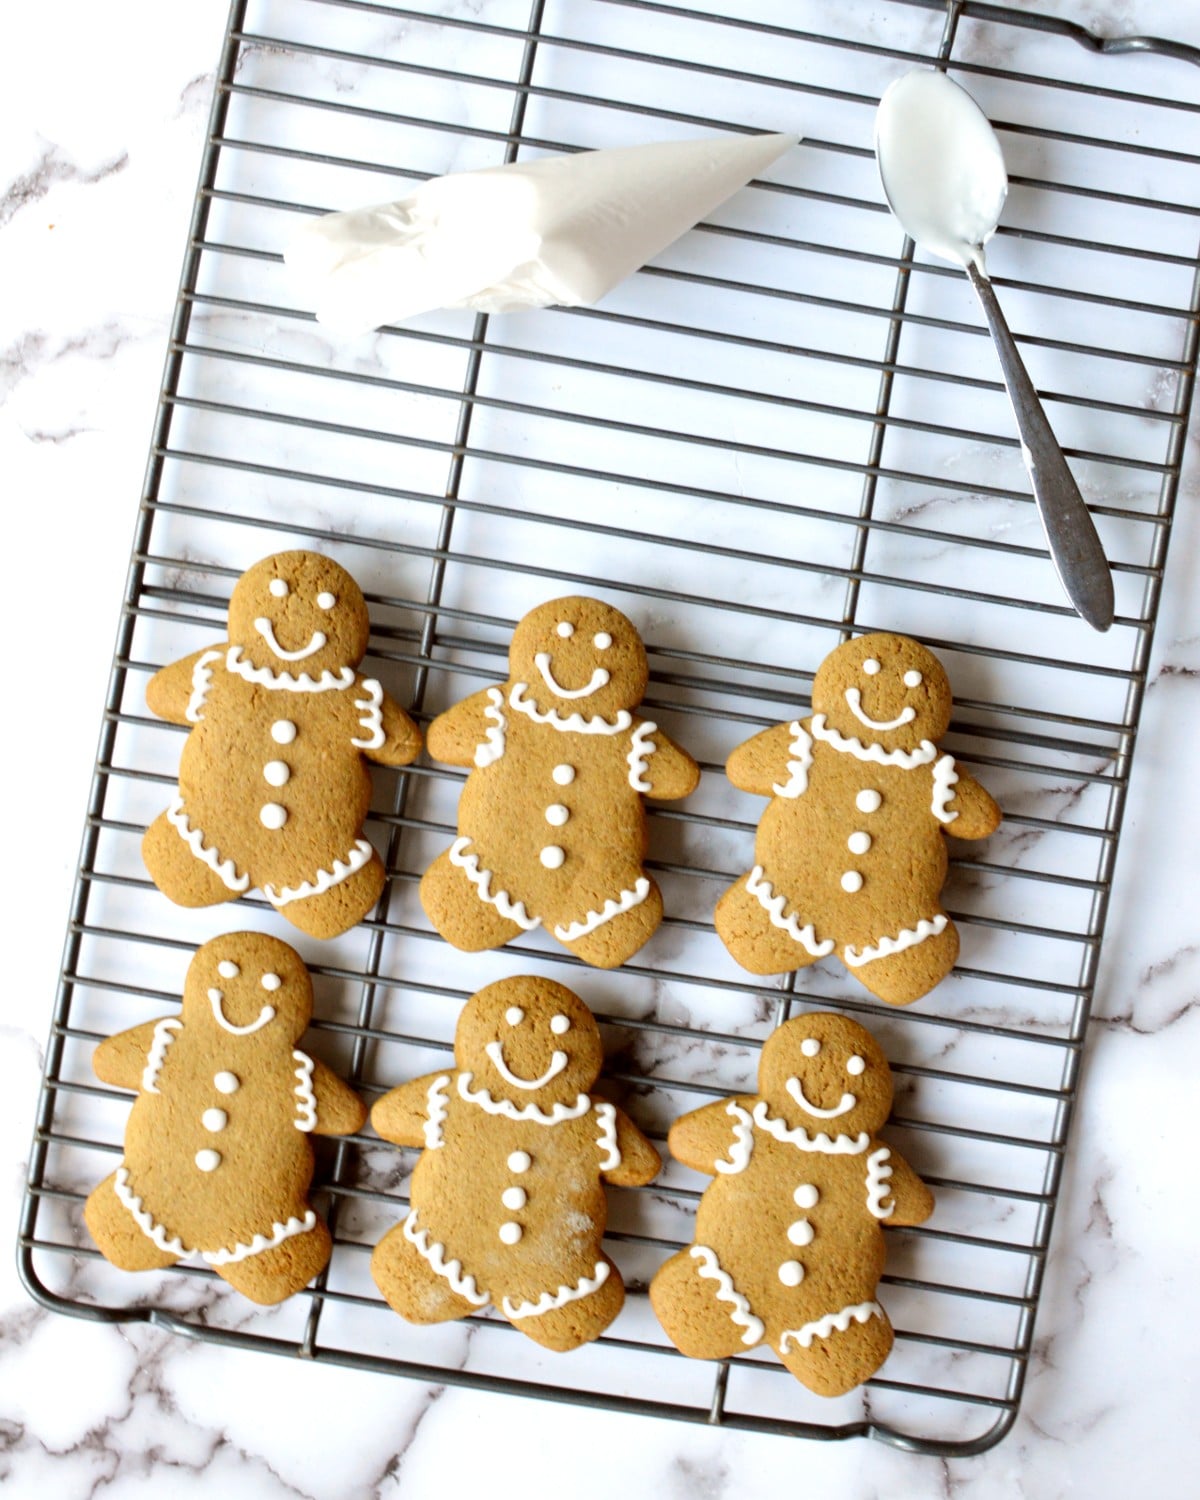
[514, 1197]
[852, 881]
[510, 1232]
[912, 678]
[208, 1161]
[868, 800]
[806, 1196]
[557, 814]
[565, 629]
[855, 1065]
[226, 1083]
[272, 815]
[810, 1046]
[560, 1024]
[858, 843]
[563, 775]
[271, 982]
[552, 857]
[514, 1015]
[283, 731]
[278, 587]
[277, 773]
[602, 640]
[800, 1233]
[214, 1119]
[870, 666]
[791, 1273]
[326, 600]
[520, 1161]
[227, 969]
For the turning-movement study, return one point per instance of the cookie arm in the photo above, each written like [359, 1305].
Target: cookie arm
[758, 764]
[170, 689]
[913, 1200]
[339, 1109]
[401, 1114]
[640, 1162]
[668, 772]
[978, 812]
[700, 1139]
[121, 1060]
[454, 736]
[401, 737]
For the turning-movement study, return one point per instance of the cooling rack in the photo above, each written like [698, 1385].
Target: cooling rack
[787, 430]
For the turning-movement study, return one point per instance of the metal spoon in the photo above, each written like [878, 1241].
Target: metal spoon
[943, 176]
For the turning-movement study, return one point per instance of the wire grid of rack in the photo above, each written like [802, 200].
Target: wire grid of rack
[787, 431]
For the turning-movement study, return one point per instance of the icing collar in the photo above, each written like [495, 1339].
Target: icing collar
[905, 759]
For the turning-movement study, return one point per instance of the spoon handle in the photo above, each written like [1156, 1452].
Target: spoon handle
[1074, 545]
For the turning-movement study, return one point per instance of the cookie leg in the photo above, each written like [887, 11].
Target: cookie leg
[342, 906]
[454, 906]
[687, 1307]
[272, 1275]
[744, 925]
[578, 1321]
[410, 1285]
[903, 977]
[843, 1358]
[618, 939]
[120, 1240]
[176, 871]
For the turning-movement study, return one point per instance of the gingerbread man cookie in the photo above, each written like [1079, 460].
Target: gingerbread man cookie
[851, 854]
[273, 789]
[217, 1160]
[789, 1246]
[551, 824]
[507, 1198]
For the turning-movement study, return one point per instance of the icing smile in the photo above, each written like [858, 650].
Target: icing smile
[495, 1052]
[854, 699]
[267, 631]
[847, 1102]
[597, 680]
[265, 1015]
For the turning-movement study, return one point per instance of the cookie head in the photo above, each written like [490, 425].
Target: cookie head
[883, 689]
[530, 1041]
[299, 612]
[579, 655]
[825, 1073]
[244, 985]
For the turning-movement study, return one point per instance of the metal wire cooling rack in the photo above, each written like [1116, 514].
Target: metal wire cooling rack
[787, 430]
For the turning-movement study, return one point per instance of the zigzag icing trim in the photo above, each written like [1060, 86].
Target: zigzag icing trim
[372, 716]
[173, 1245]
[511, 1111]
[798, 768]
[642, 749]
[567, 723]
[763, 892]
[945, 779]
[907, 937]
[201, 682]
[858, 1312]
[163, 1037]
[842, 1145]
[547, 1302]
[284, 681]
[306, 1100]
[450, 1270]
[613, 907]
[743, 1141]
[905, 759]
[482, 881]
[326, 879]
[168, 1244]
[878, 1184]
[491, 748]
[261, 1242]
[606, 1118]
[710, 1269]
[435, 1112]
[225, 869]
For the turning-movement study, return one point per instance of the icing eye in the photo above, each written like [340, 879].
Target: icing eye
[855, 1065]
[227, 969]
[870, 666]
[810, 1046]
[326, 601]
[559, 1024]
[279, 588]
[271, 981]
[514, 1015]
[565, 629]
[912, 678]
[602, 640]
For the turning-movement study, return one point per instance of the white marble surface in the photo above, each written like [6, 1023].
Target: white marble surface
[103, 122]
